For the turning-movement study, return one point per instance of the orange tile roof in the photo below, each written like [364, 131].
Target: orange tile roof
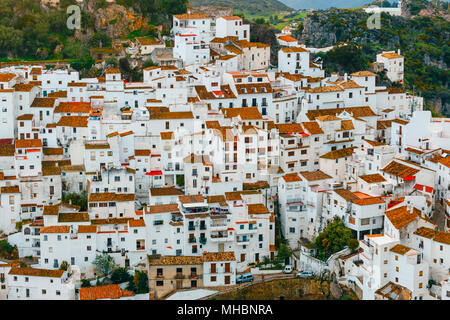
[372, 178]
[73, 121]
[294, 49]
[289, 127]
[438, 236]
[141, 152]
[167, 135]
[112, 70]
[400, 249]
[136, 223]
[231, 18]
[110, 196]
[401, 217]
[73, 107]
[391, 55]
[291, 177]
[172, 115]
[191, 16]
[43, 103]
[314, 175]
[346, 194]
[112, 291]
[312, 127]
[257, 208]
[9, 189]
[399, 169]
[28, 143]
[35, 272]
[363, 74]
[87, 229]
[358, 112]
[445, 161]
[191, 199]
[51, 210]
[249, 113]
[369, 201]
[6, 77]
[55, 229]
[165, 191]
[375, 143]
[339, 153]
[172, 207]
[287, 39]
[23, 87]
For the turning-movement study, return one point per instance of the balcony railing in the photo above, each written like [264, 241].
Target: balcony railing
[179, 276]
[191, 227]
[192, 240]
[202, 240]
[202, 227]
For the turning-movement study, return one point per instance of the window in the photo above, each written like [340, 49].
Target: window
[44, 291]
[420, 273]
[420, 285]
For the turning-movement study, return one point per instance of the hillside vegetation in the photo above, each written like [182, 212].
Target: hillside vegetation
[248, 7]
[423, 40]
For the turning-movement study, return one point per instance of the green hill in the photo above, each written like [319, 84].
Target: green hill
[423, 40]
[250, 7]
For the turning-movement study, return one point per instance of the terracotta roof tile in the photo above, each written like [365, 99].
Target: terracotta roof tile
[43, 102]
[35, 272]
[55, 229]
[399, 169]
[401, 217]
[314, 175]
[112, 291]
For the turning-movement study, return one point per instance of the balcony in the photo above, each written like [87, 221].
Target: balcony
[192, 240]
[242, 241]
[191, 227]
[202, 227]
[193, 275]
[218, 226]
[202, 240]
[179, 276]
[159, 276]
[219, 237]
[294, 200]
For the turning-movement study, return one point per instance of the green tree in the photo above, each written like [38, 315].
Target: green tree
[332, 239]
[120, 275]
[64, 265]
[141, 282]
[85, 283]
[353, 244]
[283, 253]
[104, 264]
[76, 199]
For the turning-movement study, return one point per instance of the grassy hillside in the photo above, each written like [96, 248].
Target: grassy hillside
[324, 4]
[248, 7]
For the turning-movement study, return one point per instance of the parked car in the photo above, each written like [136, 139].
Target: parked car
[288, 269]
[305, 274]
[246, 277]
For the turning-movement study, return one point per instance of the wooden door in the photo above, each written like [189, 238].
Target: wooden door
[227, 279]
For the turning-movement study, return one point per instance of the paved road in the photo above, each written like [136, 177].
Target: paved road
[439, 215]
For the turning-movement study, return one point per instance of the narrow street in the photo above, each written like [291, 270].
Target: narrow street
[439, 215]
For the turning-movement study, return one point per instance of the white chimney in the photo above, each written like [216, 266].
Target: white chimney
[345, 76]
[398, 51]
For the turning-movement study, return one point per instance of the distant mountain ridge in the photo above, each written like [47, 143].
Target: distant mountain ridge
[324, 4]
[254, 7]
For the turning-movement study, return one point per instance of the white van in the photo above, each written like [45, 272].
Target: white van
[287, 269]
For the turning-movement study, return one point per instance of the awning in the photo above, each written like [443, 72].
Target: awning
[423, 188]
[409, 178]
[154, 173]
